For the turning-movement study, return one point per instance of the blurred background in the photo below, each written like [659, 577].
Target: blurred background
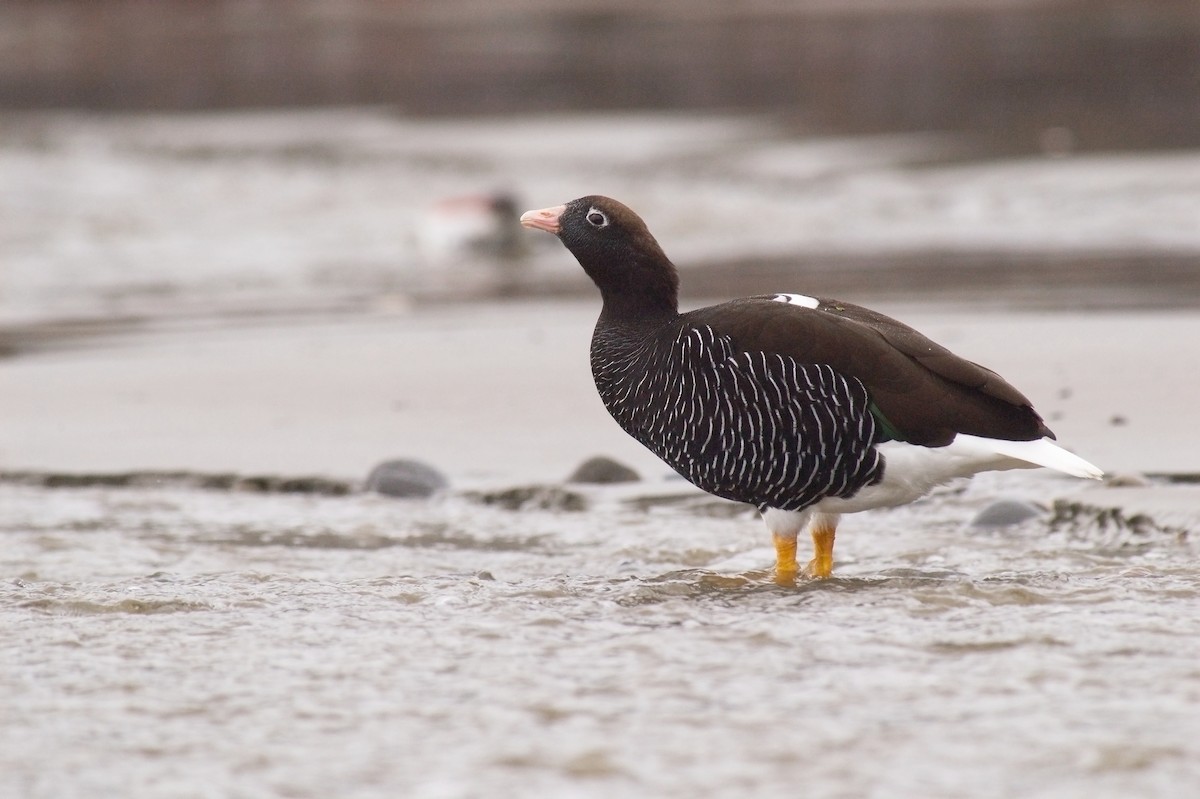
[1108, 73]
[167, 158]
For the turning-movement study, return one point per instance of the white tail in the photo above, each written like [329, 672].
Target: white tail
[1040, 452]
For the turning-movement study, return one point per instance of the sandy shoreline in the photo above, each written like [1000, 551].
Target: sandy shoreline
[503, 392]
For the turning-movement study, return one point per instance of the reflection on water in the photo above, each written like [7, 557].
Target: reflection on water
[159, 639]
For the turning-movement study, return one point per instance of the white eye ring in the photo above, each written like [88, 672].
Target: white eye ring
[596, 218]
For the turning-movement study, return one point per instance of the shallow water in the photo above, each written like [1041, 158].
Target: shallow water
[182, 642]
[124, 218]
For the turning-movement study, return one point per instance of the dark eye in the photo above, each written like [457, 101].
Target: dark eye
[597, 218]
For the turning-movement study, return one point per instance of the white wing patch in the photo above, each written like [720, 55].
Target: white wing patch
[797, 299]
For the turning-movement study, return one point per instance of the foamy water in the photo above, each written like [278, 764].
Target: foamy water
[181, 642]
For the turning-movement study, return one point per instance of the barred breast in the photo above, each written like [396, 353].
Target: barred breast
[754, 427]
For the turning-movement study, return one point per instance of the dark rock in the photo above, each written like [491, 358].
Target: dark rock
[1005, 513]
[536, 497]
[405, 478]
[1182, 478]
[211, 481]
[603, 470]
[1113, 530]
[270, 484]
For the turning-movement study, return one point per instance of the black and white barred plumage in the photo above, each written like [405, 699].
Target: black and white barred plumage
[787, 401]
[748, 426]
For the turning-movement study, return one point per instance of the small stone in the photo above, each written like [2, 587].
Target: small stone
[603, 470]
[592, 763]
[406, 478]
[1126, 480]
[1005, 513]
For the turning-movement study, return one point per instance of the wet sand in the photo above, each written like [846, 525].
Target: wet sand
[504, 392]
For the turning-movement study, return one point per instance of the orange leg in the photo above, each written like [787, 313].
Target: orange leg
[785, 559]
[823, 529]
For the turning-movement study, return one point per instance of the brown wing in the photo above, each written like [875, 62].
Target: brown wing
[923, 393]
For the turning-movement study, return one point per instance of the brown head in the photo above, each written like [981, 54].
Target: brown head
[615, 248]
